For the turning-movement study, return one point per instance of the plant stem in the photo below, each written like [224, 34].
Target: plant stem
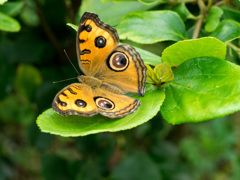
[235, 48]
[203, 10]
[198, 27]
[48, 30]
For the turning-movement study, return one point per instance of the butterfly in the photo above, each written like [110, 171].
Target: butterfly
[111, 70]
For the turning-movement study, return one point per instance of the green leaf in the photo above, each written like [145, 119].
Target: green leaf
[111, 12]
[203, 88]
[188, 49]
[183, 11]
[7, 23]
[163, 72]
[27, 80]
[3, 1]
[73, 125]
[213, 18]
[75, 27]
[152, 26]
[230, 13]
[29, 14]
[141, 165]
[150, 75]
[149, 57]
[11, 8]
[227, 30]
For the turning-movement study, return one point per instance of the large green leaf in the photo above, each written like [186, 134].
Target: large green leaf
[188, 49]
[227, 30]
[203, 88]
[7, 23]
[53, 123]
[152, 26]
[111, 12]
[230, 13]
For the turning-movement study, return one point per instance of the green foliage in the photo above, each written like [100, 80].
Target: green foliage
[183, 11]
[199, 40]
[203, 88]
[227, 30]
[111, 12]
[190, 49]
[7, 23]
[141, 27]
[160, 74]
[137, 163]
[213, 18]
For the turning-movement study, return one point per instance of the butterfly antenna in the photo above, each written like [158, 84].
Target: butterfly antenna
[71, 62]
[65, 80]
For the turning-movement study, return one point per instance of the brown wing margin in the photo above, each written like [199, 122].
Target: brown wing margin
[124, 112]
[142, 70]
[99, 23]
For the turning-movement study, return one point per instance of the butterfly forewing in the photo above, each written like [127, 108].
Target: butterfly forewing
[95, 41]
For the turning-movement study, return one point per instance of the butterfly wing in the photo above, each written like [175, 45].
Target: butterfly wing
[75, 99]
[114, 105]
[80, 99]
[95, 41]
[125, 69]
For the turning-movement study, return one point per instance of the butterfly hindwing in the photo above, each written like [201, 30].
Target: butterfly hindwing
[75, 99]
[114, 105]
[125, 69]
[80, 99]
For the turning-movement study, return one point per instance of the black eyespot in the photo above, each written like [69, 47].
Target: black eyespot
[100, 42]
[61, 102]
[88, 28]
[80, 103]
[104, 103]
[118, 61]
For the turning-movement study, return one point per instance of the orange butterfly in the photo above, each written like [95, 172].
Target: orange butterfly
[111, 70]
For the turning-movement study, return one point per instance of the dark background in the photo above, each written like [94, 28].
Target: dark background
[31, 59]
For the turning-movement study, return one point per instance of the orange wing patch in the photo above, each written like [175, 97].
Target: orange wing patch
[95, 41]
[75, 99]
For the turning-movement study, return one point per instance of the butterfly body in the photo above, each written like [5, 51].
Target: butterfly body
[111, 70]
[97, 83]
